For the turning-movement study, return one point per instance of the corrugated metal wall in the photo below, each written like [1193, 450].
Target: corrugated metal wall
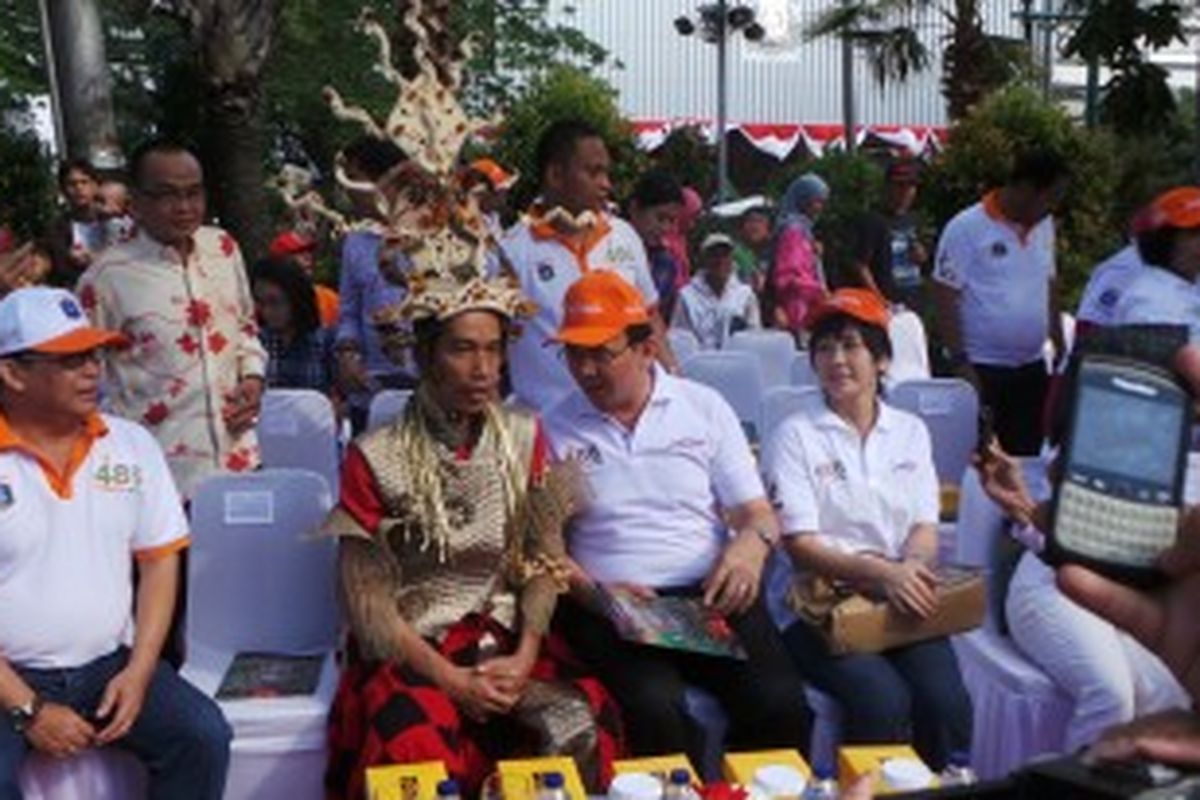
[666, 75]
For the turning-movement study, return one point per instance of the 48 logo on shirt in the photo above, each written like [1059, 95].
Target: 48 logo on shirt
[118, 477]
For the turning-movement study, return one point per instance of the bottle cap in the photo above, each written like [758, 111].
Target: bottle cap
[681, 776]
[553, 780]
[447, 787]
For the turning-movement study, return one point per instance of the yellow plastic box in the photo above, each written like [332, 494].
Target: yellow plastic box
[859, 760]
[660, 767]
[521, 779]
[740, 767]
[405, 781]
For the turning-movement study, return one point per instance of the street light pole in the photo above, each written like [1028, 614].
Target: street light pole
[849, 123]
[723, 189]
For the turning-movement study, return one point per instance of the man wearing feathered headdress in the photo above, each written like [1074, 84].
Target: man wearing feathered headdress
[450, 518]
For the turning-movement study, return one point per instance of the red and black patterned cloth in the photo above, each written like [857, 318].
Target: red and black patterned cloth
[385, 713]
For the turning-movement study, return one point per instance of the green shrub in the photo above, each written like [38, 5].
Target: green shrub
[566, 93]
[979, 156]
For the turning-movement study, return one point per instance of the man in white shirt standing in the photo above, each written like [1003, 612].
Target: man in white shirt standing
[996, 296]
[676, 507]
[715, 304]
[568, 233]
[84, 497]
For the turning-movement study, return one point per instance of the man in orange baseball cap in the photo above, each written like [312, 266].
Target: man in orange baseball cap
[676, 505]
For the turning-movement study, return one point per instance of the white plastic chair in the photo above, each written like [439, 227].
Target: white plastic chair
[910, 348]
[260, 581]
[386, 406]
[950, 409]
[1020, 712]
[297, 429]
[802, 370]
[780, 402]
[105, 774]
[774, 349]
[683, 342]
[738, 378]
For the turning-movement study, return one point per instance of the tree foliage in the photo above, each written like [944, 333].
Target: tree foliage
[566, 93]
[980, 154]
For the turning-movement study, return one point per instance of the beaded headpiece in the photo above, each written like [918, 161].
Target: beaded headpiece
[427, 206]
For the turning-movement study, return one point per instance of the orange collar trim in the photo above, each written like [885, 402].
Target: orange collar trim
[991, 207]
[579, 244]
[60, 482]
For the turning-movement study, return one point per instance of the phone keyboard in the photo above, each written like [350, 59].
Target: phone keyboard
[1111, 529]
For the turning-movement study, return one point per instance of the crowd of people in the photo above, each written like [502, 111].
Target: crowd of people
[552, 453]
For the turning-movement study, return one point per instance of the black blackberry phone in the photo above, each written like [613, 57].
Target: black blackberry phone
[1117, 501]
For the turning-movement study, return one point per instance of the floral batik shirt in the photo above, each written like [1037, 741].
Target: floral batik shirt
[192, 338]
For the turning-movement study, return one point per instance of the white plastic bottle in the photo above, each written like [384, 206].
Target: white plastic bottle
[823, 785]
[679, 786]
[958, 770]
[448, 790]
[554, 787]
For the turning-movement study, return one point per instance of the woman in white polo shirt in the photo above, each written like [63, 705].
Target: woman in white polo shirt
[854, 485]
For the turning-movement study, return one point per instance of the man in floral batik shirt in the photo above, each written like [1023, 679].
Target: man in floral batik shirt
[178, 290]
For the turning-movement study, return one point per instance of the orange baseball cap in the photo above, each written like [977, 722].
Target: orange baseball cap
[862, 304]
[497, 176]
[599, 307]
[289, 243]
[1178, 207]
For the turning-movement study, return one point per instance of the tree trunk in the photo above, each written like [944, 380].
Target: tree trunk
[234, 148]
[233, 40]
[80, 76]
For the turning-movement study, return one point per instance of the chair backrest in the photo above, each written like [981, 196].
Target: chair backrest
[258, 579]
[910, 348]
[387, 405]
[979, 535]
[737, 376]
[684, 343]
[802, 370]
[950, 408]
[297, 429]
[780, 402]
[774, 350]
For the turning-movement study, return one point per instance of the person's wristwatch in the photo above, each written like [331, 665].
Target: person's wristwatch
[22, 716]
[766, 536]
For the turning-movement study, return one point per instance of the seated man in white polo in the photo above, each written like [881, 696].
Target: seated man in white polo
[675, 506]
[83, 496]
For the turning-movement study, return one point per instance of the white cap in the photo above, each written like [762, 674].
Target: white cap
[48, 321]
[635, 786]
[716, 240]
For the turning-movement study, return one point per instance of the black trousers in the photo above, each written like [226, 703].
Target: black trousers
[1017, 397]
[762, 696]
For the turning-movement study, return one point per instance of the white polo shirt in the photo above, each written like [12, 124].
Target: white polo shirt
[854, 495]
[1109, 281]
[1159, 296]
[700, 310]
[547, 267]
[1004, 279]
[66, 541]
[656, 492]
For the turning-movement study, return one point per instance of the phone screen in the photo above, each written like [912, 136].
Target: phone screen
[1127, 436]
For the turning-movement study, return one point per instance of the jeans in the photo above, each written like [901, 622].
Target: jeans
[762, 695]
[180, 735]
[1110, 677]
[912, 693]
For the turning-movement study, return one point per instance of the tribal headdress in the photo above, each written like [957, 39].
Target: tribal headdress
[428, 206]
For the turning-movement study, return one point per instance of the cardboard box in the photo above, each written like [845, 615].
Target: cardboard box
[740, 767]
[405, 781]
[660, 767]
[860, 624]
[854, 762]
[521, 779]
